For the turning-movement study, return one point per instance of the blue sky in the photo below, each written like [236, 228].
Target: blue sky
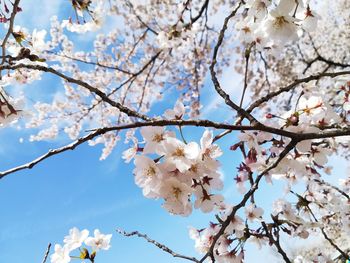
[76, 189]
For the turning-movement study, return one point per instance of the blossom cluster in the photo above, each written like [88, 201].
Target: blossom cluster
[179, 169]
[182, 170]
[75, 241]
[272, 24]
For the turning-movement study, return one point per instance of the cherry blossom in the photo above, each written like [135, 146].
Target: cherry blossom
[148, 79]
[99, 241]
[252, 212]
[61, 255]
[75, 241]
[75, 238]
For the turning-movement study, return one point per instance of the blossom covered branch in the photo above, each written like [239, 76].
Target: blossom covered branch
[155, 77]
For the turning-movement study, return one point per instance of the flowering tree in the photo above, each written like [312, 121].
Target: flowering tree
[290, 112]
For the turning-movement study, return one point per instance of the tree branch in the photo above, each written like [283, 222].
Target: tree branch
[197, 123]
[246, 197]
[276, 243]
[47, 253]
[157, 244]
[289, 87]
[92, 89]
[10, 30]
[214, 78]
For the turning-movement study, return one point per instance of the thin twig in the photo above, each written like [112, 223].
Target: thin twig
[287, 88]
[247, 56]
[10, 30]
[276, 243]
[157, 244]
[47, 253]
[214, 78]
[334, 187]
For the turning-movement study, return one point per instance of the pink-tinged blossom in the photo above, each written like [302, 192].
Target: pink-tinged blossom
[147, 175]
[214, 180]
[99, 241]
[246, 30]
[207, 147]
[250, 138]
[179, 153]
[258, 8]
[203, 238]
[130, 153]
[280, 26]
[309, 23]
[177, 113]
[176, 196]
[258, 241]
[196, 171]
[240, 179]
[236, 226]
[153, 137]
[253, 212]
[319, 155]
[205, 201]
[229, 256]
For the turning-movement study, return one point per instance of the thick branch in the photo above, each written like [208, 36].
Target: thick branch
[92, 89]
[198, 123]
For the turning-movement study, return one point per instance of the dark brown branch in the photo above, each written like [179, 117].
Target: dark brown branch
[198, 123]
[81, 83]
[157, 244]
[247, 56]
[275, 242]
[332, 63]
[334, 244]
[92, 63]
[271, 95]
[246, 197]
[50, 153]
[131, 6]
[201, 11]
[47, 253]
[10, 30]
[101, 131]
[214, 78]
